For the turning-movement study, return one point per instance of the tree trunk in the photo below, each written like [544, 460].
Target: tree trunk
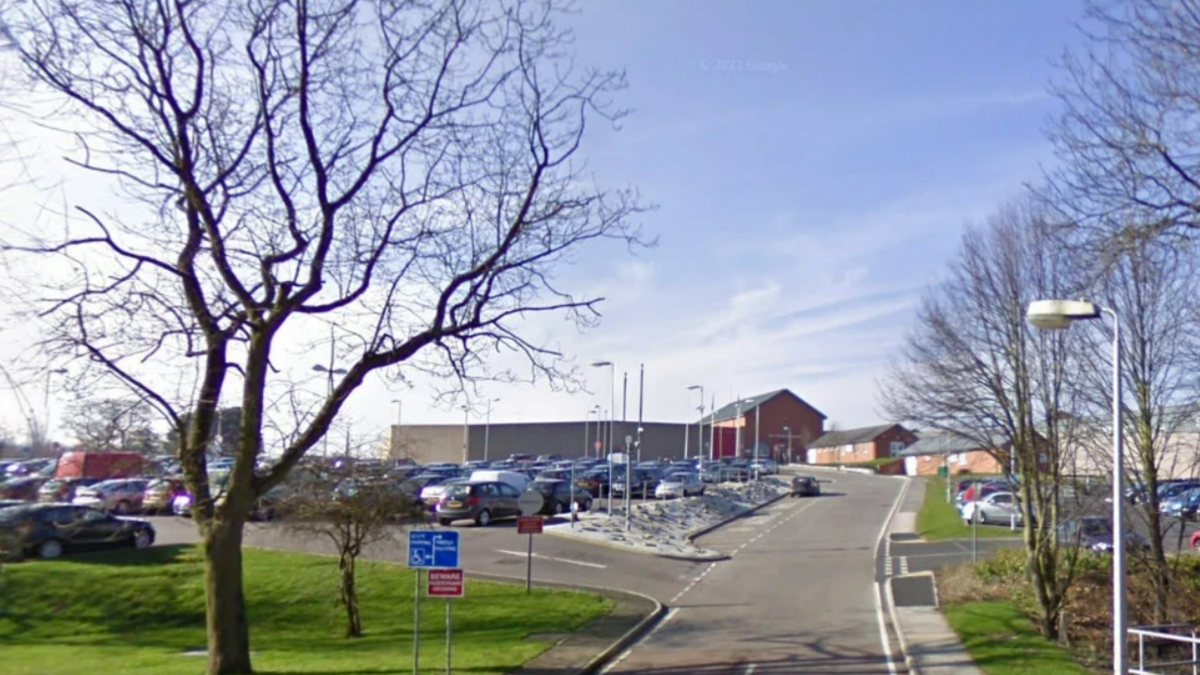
[228, 628]
[350, 596]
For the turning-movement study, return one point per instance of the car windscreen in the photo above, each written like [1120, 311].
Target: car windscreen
[458, 491]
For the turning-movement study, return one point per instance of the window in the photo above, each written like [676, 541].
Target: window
[507, 490]
[1002, 499]
[847, 448]
[896, 448]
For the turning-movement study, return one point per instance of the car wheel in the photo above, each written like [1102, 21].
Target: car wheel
[444, 522]
[484, 518]
[983, 520]
[559, 509]
[587, 505]
[50, 549]
[142, 539]
[123, 507]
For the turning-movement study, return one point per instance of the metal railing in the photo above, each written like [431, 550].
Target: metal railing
[1181, 636]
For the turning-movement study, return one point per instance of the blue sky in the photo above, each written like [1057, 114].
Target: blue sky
[813, 163]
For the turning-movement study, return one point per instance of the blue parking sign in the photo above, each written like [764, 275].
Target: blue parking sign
[432, 549]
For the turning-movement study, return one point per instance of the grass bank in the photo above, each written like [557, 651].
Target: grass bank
[938, 519]
[1003, 641]
[134, 612]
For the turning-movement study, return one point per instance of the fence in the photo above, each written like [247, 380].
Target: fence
[1172, 642]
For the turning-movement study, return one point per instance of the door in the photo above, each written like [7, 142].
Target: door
[910, 466]
[508, 499]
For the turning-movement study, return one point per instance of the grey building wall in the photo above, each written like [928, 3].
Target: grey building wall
[427, 443]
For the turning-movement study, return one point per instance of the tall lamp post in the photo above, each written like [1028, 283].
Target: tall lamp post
[46, 404]
[487, 427]
[329, 371]
[1059, 314]
[399, 416]
[757, 418]
[587, 426]
[700, 425]
[612, 395]
[466, 431]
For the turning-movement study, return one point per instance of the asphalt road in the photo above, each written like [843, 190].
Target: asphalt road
[797, 596]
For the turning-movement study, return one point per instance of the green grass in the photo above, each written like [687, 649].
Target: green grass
[874, 463]
[136, 612]
[1003, 641]
[938, 519]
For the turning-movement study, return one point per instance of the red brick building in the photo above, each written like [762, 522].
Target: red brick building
[959, 453]
[782, 422]
[860, 445]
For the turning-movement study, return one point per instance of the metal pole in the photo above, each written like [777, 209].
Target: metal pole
[712, 430]
[699, 429]
[757, 419]
[629, 486]
[975, 532]
[487, 429]
[737, 441]
[1118, 480]
[466, 433]
[572, 508]
[529, 567]
[610, 480]
[686, 426]
[624, 395]
[612, 402]
[448, 652]
[417, 623]
[1012, 474]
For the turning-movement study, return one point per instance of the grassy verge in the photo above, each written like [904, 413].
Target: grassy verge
[139, 611]
[874, 463]
[1003, 641]
[938, 519]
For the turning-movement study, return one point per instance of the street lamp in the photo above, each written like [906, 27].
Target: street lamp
[612, 395]
[466, 433]
[587, 425]
[399, 416]
[788, 431]
[699, 426]
[330, 371]
[1059, 314]
[487, 427]
[46, 404]
[757, 418]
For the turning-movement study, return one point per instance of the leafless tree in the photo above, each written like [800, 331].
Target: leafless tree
[1152, 291]
[408, 173]
[350, 510]
[109, 424]
[1129, 131]
[973, 366]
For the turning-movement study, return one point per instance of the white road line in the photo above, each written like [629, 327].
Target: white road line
[903, 565]
[884, 641]
[887, 565]
[750, 669]
[645, 638]
[539, 556]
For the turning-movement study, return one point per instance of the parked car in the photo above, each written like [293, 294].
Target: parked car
[644, 481]
[805, 486]
[123, 495]
[998, 507]
[432, 494]
[49, 530]
[481, 501]
[516, 479]
[594, 481]
[765, 467]
[23, 488]
[1095, 533]
[679, 484]
[161, 493]
[31, 467]
[556, 495]
[1182, 505]
[63, 490]
[1194, 542]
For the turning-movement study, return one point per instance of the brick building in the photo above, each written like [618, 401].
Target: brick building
[957, 452]
[866, 444]
[782, 422]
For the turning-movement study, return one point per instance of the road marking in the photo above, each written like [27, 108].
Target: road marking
[750, 668]
[903, 565]
[539, 556]
[884, 640]
[645, 638]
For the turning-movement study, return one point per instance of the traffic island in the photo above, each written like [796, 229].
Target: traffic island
[666, 528]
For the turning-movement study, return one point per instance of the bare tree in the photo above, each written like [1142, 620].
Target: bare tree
[1152, 291]
[113, 424]
[1129, 132]
[973, 366]
[406, 172]
[351, 510]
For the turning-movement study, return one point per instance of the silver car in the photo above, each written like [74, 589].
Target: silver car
[679, 484]
[122, 495]
[997, 508]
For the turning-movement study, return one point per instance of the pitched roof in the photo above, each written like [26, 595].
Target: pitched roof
[948, 442]
[730, 411]
[850, 436]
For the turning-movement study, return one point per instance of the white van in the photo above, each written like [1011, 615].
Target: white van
[513, 478]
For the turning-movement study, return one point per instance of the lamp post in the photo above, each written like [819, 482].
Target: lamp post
[612, 395]
[788, 431]
[487, 427]
[466, 433]
[757, 418]
[587, 424]
[1059, 314]
[46, 404]
[399, 415]
[329, 371]
[699, 425]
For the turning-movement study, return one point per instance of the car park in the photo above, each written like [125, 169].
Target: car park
[480, 501]
[804, 486]
[122, 495]
[161, 493]
[432, 494]
[679, 484]
[50, 530]
[63, 489]
[643, 480]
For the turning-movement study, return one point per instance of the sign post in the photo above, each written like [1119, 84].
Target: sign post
[529, 523]
[446, 584]
[430, 550]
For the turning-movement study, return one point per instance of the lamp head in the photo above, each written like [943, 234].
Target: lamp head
[1059, 314]
[694, 387]
[601, 364]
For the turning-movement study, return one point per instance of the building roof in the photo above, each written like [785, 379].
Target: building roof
[947, 443]
[732, 411]
[850, 436]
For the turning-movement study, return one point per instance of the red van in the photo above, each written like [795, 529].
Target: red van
[99, 465]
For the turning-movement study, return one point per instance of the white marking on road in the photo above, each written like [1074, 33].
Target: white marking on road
[750, 669]
[539, 556]
[884, 640]
[887, 566]
[903, 565]
[645, 638]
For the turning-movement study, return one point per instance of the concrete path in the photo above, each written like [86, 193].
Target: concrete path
[931, 645]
